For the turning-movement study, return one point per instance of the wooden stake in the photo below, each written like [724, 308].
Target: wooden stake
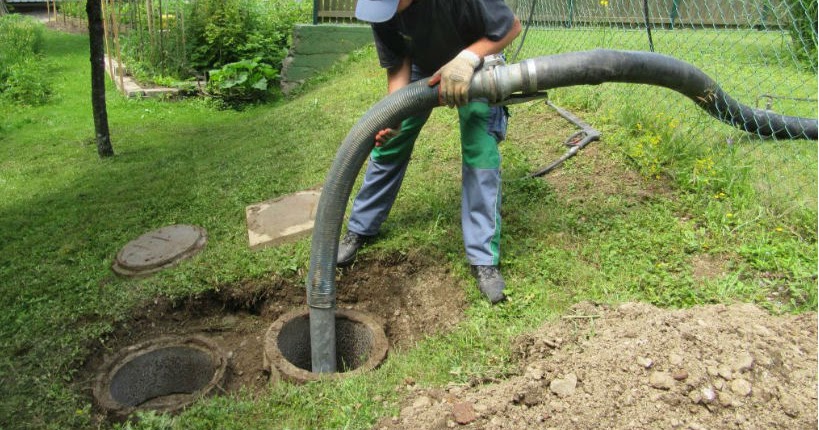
[150, 8]
[161, 38]
[182, 24]
[120, 69]
[105, 37]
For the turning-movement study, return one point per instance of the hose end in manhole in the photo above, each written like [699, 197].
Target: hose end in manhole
[165, 374]
[361, 346]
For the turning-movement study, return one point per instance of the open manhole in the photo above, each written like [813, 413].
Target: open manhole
[164, 374]
[159, 249]
[361, 345]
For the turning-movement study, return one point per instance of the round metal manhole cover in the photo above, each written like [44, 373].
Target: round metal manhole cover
[159, 249]
[164, 374]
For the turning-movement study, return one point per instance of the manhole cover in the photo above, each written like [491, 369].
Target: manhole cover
[164, 374]
[159, 249]
[361, 345]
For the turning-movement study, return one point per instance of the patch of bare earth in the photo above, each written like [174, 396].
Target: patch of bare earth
[411, 296]
[593, 174]
[705, 266]
[601, 176]
[635, 366]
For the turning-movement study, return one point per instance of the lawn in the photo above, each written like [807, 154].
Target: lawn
[632, 218]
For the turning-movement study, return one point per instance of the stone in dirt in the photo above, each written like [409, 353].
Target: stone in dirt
[680, 375]
[564, 387]
[661, 380]
[743, 362]
[464, 413]
[645, 362]
[741, 387]
[422, 402]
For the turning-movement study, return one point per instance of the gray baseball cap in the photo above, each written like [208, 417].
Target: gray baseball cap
[375, 10]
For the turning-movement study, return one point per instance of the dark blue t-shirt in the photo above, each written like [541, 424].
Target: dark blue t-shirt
[432, 32]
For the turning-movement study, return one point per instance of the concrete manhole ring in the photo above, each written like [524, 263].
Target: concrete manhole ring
[361, 345]
[159, 249]
[165, 374]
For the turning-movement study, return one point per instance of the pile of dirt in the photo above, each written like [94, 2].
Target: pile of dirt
[636, 366]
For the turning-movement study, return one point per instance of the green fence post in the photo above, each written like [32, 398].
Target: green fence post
[315, 11]
[675, 13]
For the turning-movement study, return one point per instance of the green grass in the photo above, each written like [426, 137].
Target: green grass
[64, 214]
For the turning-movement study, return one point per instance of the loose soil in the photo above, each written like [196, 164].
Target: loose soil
[635, 366]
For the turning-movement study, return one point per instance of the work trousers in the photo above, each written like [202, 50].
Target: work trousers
[482, 128]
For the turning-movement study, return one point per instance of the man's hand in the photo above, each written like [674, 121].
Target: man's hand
[455, 78]
[386, 134]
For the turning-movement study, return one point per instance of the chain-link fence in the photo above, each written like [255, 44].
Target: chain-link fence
[761, 52]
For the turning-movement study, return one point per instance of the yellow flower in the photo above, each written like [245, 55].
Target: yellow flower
[729, 215]
[604, 3]
[780, 229]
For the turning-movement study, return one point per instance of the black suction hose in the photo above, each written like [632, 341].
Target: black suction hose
[500, 84]
[321, 292]
[599, 66]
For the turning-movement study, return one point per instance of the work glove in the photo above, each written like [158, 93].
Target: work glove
[455, 78]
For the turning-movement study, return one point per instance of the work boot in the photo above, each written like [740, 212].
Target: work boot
[490, 282]
[348, 247]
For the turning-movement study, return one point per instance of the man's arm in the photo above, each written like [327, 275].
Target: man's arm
[397, 78]
[485, 46]
[456, 75]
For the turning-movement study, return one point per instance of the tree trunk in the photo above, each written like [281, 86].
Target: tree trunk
[95, 32]
[3, 9]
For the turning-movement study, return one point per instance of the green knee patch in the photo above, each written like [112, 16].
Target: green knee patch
[479, 148]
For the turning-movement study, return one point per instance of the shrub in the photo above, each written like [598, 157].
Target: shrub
[23, 73]
[26, 82]
[803, 29]
[20, 37]
[242, 82]
[216, 33]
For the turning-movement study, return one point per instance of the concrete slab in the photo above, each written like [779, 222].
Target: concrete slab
[281, 220]
[159, 249]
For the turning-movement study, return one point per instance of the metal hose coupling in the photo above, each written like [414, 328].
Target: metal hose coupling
[501, 83]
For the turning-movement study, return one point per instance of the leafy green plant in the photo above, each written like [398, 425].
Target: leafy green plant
[194, 37]
[26, 82]
[217, 28]
[20, 37]
[23, 73]
[242, 82]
